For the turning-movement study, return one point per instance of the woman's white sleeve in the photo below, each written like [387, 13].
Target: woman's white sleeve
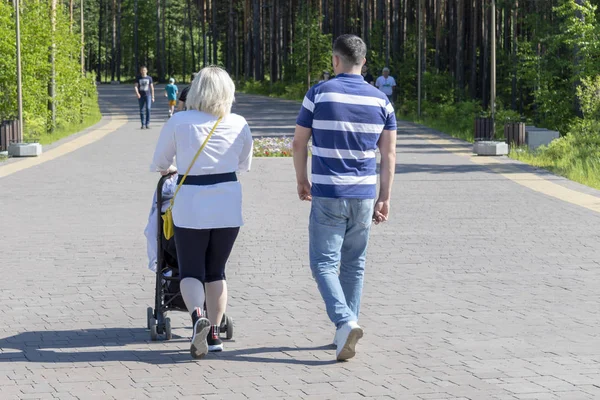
[165, 148]
[246, 154]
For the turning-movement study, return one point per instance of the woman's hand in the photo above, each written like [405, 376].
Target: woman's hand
[172, 169]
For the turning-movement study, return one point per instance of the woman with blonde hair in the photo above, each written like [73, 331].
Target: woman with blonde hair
[207, 211]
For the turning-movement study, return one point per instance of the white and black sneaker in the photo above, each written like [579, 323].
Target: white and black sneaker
[199, 345]
[213, 339]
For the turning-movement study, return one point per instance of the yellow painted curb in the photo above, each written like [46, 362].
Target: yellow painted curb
[63, 149]
[529, 180]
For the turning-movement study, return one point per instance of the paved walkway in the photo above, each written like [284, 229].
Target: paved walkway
[478, 288]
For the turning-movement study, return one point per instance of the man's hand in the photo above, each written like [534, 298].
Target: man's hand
[138, 96]
[153, 99]
[381, 212]
[304, 191]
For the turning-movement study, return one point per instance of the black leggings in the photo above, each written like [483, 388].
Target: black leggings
[203, 253]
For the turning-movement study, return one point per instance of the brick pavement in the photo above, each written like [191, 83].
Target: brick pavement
[478, 288]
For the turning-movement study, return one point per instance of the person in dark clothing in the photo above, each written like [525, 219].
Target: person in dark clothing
[367, 76]
[184, 93]
[144, 89]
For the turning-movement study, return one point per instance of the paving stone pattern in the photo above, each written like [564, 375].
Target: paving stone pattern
[477, 288]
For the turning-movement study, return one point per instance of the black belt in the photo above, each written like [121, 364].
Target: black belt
[206, 180]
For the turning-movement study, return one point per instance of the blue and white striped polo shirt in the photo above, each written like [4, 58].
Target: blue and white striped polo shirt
[347, 117]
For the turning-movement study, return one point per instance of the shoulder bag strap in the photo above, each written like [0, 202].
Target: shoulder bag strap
[195, 158]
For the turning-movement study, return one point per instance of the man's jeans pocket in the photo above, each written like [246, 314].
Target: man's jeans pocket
[327, 211]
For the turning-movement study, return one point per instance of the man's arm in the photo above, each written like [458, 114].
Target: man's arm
[300, 146]
[137, 92]
[180, 105]
[152, 89]
[387, 148]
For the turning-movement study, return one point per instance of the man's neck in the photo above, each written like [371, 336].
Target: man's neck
[350, 72]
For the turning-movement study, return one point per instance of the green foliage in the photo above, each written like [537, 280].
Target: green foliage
[588, 94]
[320, 48]
[575, 156]
[294, 91]
[75, 96]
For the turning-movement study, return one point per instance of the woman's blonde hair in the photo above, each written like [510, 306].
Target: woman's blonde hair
[212, 92]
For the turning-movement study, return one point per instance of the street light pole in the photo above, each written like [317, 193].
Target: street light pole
[19, 78]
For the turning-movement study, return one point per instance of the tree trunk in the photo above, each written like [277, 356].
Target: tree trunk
[248, 41]
[191, 28]
[474, 21]
[366, 24]
[136, 52]
[204, 39]
[71, 16]
[460, 47]
[257, 44]
[486, 29]
[100, 26]
[119, 45]
[158, 60]
[438, 34]
[273, 39]
[113, 42]
[215, 32]
[52, 81]
[513, 97]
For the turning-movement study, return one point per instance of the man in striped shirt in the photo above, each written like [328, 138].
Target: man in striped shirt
[348, 119]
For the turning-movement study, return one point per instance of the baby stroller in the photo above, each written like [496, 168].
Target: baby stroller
[167, 296]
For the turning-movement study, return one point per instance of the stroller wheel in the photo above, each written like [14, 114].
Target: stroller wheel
[149, 317]
[154, 333]
[168, 333]
[229, 328]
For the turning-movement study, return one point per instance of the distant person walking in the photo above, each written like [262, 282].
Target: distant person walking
[184, 94]
[387, 84]
[347, 121]
[171, 91]
[325, 76]
[144, 89]
[367, 75]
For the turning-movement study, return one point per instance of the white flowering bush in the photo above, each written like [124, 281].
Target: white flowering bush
[273, 147]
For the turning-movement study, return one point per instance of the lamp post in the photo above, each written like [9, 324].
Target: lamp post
[19, 80]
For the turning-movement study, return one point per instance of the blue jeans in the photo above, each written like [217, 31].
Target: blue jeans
[339, 235]
[145, 101]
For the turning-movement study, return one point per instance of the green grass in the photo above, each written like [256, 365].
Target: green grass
[62, 131]
[583, 170]
[575, 156]
[279, 90]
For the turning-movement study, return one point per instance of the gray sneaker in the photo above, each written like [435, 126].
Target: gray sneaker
[199, 346]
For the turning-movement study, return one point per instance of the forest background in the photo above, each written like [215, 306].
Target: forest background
[547, 66]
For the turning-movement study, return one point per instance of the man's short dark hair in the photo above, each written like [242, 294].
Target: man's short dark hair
[350, 48]
[142, 67]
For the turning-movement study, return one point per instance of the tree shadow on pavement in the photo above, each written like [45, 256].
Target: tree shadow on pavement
[105, 345]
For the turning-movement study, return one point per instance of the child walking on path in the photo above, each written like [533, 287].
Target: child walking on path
[171, 91]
